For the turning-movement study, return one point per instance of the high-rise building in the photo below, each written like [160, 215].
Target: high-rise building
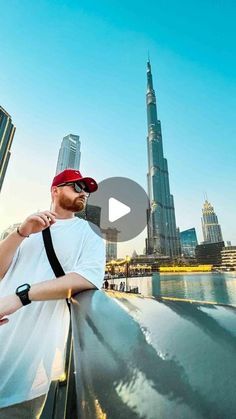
[7, 131]
[210, 226]
[178, 243]
[111, 236]
[69, 154]
[188, 240]
[162, 237]
[91, 213]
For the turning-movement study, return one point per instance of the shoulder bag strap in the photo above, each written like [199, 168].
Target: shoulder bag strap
[52, 257]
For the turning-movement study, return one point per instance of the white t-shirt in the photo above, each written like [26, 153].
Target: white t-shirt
[32, 343]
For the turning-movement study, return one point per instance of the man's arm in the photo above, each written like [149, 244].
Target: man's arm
[60, 288]
[56, 289]
[33, 224]
[8, 248]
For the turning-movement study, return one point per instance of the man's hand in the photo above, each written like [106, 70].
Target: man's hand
[9, 305]
[37, 222]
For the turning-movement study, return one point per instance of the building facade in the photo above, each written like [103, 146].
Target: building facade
[7, 132]
[210, 226]
[209, 253]
[69, 154]
[188, 240]
[111, 237]
[228, 257]
[91, 213]
[162, 238]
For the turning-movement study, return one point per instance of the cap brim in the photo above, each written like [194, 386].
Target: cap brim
[90, 184]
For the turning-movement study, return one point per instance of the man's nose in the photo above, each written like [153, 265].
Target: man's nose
[84, 194]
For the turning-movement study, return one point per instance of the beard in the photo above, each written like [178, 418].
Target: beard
[75, 205]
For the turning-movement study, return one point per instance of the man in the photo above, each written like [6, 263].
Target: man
[34, 318]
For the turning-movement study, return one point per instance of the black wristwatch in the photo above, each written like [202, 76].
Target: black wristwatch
[22, 293]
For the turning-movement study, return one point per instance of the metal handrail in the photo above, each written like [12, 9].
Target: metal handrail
[139, 357]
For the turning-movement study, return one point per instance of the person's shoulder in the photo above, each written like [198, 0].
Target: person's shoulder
[94, 233]
[80, 222]
[89, 228]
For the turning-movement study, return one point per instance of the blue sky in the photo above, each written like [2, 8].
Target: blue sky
[80, 67]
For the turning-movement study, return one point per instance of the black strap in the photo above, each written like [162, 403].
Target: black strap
[52, 257]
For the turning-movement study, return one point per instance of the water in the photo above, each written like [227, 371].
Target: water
[213, 287]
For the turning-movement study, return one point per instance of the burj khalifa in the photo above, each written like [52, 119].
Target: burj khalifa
[162, 236]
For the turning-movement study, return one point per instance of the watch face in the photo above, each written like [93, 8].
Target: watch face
[23, 288]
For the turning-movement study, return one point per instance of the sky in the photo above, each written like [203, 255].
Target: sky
[80, 67]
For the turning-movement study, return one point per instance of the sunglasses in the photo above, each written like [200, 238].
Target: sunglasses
[78, 187]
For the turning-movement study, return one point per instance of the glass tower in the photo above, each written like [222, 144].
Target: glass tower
[162, 237]
[210, 226]
[188, 240]
[7, 132]
[69, 154]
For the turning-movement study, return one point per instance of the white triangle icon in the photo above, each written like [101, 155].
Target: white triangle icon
[117, 209]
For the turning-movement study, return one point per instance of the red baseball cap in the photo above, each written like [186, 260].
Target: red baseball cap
[70, 175]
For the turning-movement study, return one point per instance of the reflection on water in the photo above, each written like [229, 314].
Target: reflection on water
[215, 287]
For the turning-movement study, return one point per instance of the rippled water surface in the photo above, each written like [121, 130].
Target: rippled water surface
[217, 287]
[214, 287]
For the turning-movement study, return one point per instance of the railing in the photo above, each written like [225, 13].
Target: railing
[137, 357]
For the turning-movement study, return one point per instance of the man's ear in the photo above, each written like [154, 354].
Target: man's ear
[53, 190]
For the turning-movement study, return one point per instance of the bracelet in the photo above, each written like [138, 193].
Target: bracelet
[18, 231]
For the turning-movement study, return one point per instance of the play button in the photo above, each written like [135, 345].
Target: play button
[122, 205]
[117, 210]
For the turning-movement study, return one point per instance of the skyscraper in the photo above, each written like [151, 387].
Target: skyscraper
[69, 154]
[188, 240]
[90, 213]
[162, 237]
[111, 236]
[7, 131]
[210, 226]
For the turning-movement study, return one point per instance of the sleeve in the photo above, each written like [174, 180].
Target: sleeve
[92, 260]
